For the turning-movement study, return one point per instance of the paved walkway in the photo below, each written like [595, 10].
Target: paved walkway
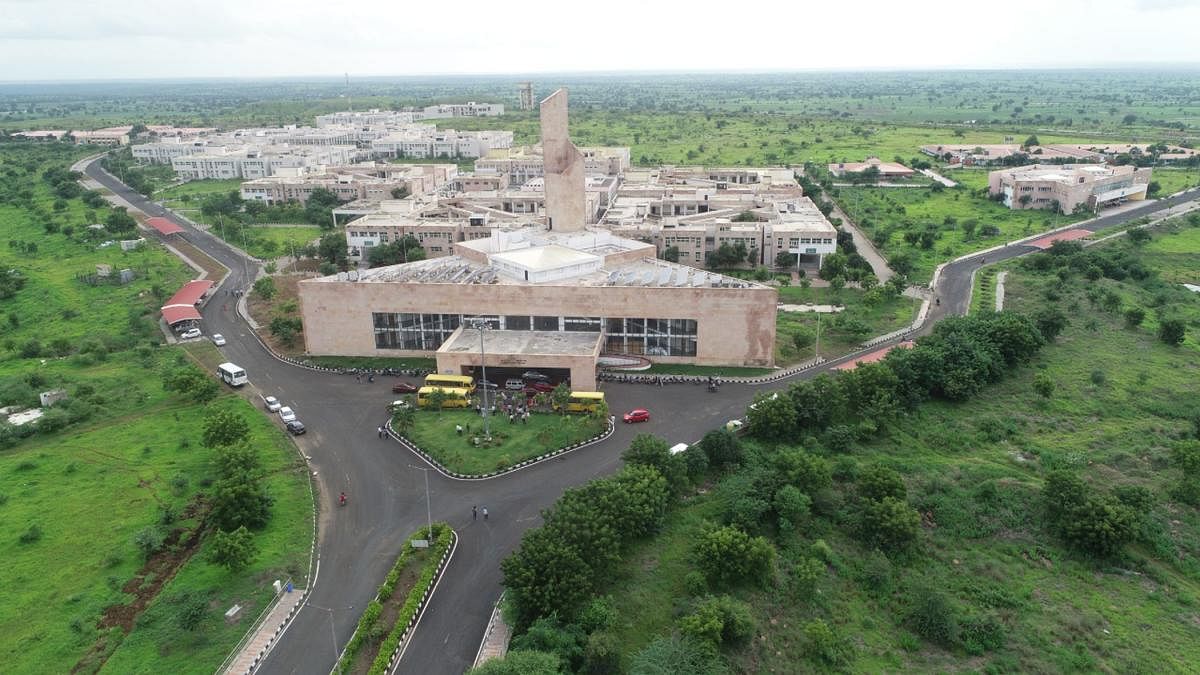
[866, 247]
[495, 640]
[939, 177]
[1000, 290]
[256, 647]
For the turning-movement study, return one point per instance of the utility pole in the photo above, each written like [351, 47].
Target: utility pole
[817, 349]
[428, 510]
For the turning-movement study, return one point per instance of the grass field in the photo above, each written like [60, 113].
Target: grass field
[886, 215]
[1174, 180]
[434, 432]
[842, 332]
[974, 472]
[128, 454]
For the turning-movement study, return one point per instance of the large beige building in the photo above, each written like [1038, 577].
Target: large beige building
[371, 182]
[551, 299]
[1089, 187]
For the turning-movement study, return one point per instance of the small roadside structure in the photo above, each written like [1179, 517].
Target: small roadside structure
[181, 307]
[49, 398]
[164, 226]
[887, 170]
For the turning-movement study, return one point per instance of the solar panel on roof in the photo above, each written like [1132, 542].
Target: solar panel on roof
[648, 278]
[664, 278]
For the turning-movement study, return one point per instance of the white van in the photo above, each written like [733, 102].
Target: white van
[514, 384]
[678, 448]
[232, 374]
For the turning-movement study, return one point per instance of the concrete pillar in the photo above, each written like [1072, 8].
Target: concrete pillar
[564, 171]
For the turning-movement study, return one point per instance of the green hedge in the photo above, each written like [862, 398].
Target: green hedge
[443, 536]
[441, 543]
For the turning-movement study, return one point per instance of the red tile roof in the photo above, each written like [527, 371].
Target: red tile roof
[182, 305]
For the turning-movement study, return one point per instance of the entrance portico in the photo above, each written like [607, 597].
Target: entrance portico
[508, 351]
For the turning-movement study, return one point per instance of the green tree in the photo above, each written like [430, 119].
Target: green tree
[264, 287]
[649, 450]
[718, 621]
[403, 419]
[119, 221]
[793, 507]
[1043, 384]
[890, 523]
[559, 397]
[332, 249]
[671, 254]
[1185, 456]
[878, 482]
[404, 250]
[933, 616]
[234, 550]
[1050, 322]
[551, 636]
[401, 192]
[437, 399]
[721, 447]
[1171, 330]
[223, 428]
[545, 575]
[822, 646]
[238, 495]
[727, 556]
[286, 329]
[772, 417]
[834, 265]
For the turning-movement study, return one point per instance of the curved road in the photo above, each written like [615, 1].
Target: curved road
[387, 495]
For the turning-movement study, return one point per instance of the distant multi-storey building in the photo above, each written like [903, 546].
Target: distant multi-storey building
[260, 161]
[469, 109]
[523, 163]
[1007, 153]
[525, 95]
[887, 170]
[420, 141]
[1069, 187]
[111, 136]
[366, 182]
[695, 210]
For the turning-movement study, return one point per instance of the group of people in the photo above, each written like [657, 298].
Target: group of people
[475, 511]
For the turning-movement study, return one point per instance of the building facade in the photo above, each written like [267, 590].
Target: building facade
[1068, 187]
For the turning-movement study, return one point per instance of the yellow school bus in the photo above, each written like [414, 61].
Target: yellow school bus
[455, 397]
[585, 401]
[451, 382]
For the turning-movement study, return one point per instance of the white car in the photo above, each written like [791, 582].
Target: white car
[287, 414]
[272, 403]
[218, 339]
[190, 333]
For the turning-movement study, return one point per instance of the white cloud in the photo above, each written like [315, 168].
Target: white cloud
[69, 39]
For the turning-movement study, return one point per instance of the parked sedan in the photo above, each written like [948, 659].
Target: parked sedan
[296, 427]
[637, 415]
[534, 375]
[190, 334]
[404, 388]
[272, 403]
[544, 387]
[287, 414]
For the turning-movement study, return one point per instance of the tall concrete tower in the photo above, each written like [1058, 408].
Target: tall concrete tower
[564, 167]
[525, 91]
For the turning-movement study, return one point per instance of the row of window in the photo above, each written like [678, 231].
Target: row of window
[655, 337]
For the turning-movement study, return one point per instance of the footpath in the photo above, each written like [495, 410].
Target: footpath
[264, 634]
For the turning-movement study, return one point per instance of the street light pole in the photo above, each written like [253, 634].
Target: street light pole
[428, 509]
[482, 326]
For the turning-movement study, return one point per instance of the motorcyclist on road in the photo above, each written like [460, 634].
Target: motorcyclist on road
[342, 499]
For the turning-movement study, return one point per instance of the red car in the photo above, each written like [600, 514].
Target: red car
[639, 415]
[403, 388]
[543, 387]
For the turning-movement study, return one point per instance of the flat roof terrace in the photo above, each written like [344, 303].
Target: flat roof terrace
[522, 342]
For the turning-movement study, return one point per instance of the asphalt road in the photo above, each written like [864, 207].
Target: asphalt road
[358, 542]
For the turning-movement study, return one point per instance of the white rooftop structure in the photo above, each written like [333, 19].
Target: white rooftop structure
[545, 263]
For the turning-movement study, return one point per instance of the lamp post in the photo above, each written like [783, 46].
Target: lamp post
[481, 326]
[428, 509]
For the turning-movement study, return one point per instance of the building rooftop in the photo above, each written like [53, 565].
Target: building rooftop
[529, 342]
[546, 257]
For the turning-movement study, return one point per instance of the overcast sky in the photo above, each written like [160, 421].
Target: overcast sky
[98, 39]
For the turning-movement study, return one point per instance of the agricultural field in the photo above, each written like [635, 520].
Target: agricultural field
[118, 468]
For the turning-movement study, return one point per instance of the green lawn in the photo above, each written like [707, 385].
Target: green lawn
[974, 471]
[886, 215]
[842, 332]
[1174, 180]
[196, 190]
[434, 432]
[128, 451]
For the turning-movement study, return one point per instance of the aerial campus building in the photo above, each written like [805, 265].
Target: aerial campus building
[554, 296]
[1070, 187]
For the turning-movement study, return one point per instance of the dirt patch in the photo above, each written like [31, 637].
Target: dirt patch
[287, 293]
[215, 269]
[177, 549]
[387, 618]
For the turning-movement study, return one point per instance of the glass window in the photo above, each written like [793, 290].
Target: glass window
[615, 326]
[545, 323]
[516, 323]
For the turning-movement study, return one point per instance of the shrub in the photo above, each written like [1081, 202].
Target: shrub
[669, 655]
[876, 573]
[718, 622]
[793, 507]
[1134, 317]
[1171, 330]
[932, 616]
[148, 540]
[520, 663]
[727, 555]
[601, 654]
[1100, 526]
[979, 634]
[265, 288]
[877, 482]
[721, 447]
[234, 550]
[890, 524]
[805, 574]
[822, 645]
[190, 609]
[32, 534]
[1043, 384]
[549, 635]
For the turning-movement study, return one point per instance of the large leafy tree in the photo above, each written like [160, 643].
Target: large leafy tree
[223, 428]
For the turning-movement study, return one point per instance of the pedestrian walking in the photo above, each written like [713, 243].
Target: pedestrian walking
[357, 378]
[458, 428]
[485, 513]
[381, 431]
[474, 513]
